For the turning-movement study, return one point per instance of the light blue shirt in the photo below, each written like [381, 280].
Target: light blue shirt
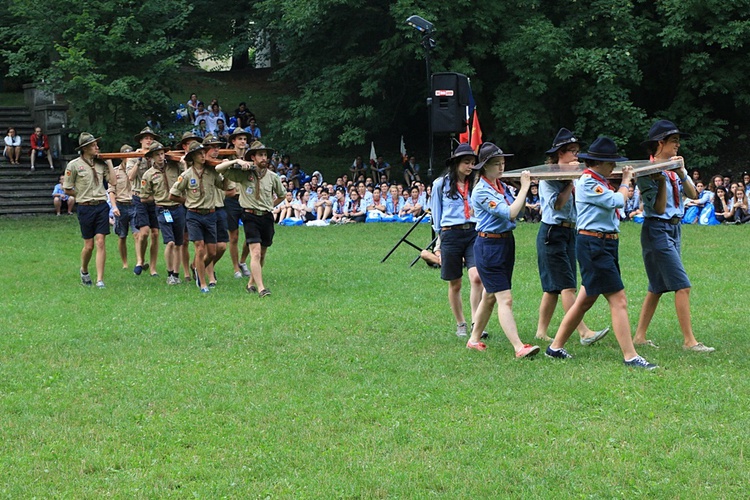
[445, 210]
[394, 210]
[366, 200]
[492, 209]
[597, 205]
[548, 193]
[650, 189]
[705, 197]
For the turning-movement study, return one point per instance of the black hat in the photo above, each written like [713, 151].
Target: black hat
[563, 137]
[487, 151]
[661, 130]
[602, 149]
[462, 149]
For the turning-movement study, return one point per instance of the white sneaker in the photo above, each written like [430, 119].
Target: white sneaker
[238, 274]
[461, 330]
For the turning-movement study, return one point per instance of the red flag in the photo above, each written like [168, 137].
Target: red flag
[476, 133]
[463, 138]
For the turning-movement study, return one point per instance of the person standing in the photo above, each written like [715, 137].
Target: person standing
[222, 233]
[238, 140]
[155, 186]
[122, 193]
[556, 241]
[194, 188]
[661, 235]
[146, 221]
[261, 190]
[597, 247]
[84, 179]
[495, 211]
[454, 223]
[40, 147]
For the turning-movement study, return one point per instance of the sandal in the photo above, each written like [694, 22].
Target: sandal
[265, 292]
[648, 343]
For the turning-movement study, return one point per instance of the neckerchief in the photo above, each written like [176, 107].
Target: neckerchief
[465, 195]
[599, 178]
[93, 168]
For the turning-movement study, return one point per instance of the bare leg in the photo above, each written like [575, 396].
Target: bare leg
[475, 296]
[572, 318]
[71, 204]
[101, 256]
[682, 306]
[86, 253]
[647, 314]
[546, 310]
[122, 246]
[58, 204]
[482, 317]
[454, 299]
[234, 237]
[618, 308]
[568, 299]
[200, 262]
[245, 253]
[154, 249]
[141, 243]
[257, 259]
[507, 321]
[185, 256]
[169, 256]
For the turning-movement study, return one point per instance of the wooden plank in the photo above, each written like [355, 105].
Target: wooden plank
[572, 172]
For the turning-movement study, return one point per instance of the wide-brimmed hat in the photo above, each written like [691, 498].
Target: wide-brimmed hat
[602, 149]
[488, 151]
[661, 130]
[155, 146]
[255, 147]
[126, 148]
[237, 132]
[146, 131]
[212, 140]
[461, 150]
[194, 147]
[189, 136]
[563, 137]
[85, 139]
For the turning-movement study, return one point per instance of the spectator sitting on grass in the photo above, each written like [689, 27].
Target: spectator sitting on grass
[59, 196]
[432, 258]
[704, 196]
[284, 209]
[200, 113]
[13, 147]
[324, 206]
[364, 195]
[252, 129]
[377, 202]
[243, 115]
[356, 211]
[739, 212]
[357, 167]
[202, 129]
[411, 204]
[192, 106]
[633, 203]
[216, 114]
[221, 131]
[339, 209]
[533, 210]
[381, 169]
[394, 204]
[40, 147]
[722, 205]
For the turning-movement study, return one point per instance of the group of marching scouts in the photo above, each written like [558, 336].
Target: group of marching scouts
[474, 214]
[188, 195]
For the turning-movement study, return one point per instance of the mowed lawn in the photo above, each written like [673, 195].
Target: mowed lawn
[349, 382]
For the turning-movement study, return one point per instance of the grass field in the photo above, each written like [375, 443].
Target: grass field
[348, 382]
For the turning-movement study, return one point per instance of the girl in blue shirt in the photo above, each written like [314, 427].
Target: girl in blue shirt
[495, 248]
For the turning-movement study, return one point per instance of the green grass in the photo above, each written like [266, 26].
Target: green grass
[349, 381]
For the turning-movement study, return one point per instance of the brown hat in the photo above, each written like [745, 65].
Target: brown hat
[189, 136]
[126, 148]
[212, 140]
[146, 131]
[85, 139]
[194, 147]
[238, 132]
[255, 147]
[155, 146]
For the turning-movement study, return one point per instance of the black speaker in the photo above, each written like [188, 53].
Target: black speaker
[450, 97]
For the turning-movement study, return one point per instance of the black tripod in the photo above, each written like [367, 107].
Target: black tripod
[405, 240]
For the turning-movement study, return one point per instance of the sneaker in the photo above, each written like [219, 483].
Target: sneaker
[461, 330]
[100, 284]
[595, 338]
[251, 289]
[264, 293]
[137, 270]
[699, 347]
[212, 285]
[238, 274]
[177, 280]
[85, 279]
[479, 346]
[171, 280]
[648, 343]
[245, 270]
[145, 266]
[484, 335]
[527, 351]
[640, 362]
[557, 353]
[205, 290]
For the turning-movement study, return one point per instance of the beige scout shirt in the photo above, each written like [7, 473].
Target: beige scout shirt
[270, 188]
[88, 179]
[141, 165]
[157, 183]
[198, 190]
[122, 186]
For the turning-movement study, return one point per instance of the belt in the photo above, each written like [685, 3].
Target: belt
[468, 225]
[506, 234]
[169, 207]
[675, 221]
[92, 203]
[124, 203]
[595, 234]
[202, 211]
[256, 212]
[567, 224]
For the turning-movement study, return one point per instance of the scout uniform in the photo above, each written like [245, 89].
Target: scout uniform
[145, 212]
[123, 190]
[222, 231]
[156, 183]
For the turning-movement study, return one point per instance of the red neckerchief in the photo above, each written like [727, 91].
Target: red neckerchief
[675, 188]
[599, 178]
[497, 185]
[465, 195]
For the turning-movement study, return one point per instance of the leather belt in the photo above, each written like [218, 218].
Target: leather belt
[468, 225]
[124, 203]
[92, 203]
[202, 211]
[600, 235]
[567, 224]
[259, 213]
[506, 234]
[167, 207]
[675, 221]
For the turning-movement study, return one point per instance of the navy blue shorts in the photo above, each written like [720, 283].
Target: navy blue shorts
[145, 214]
[126, 220]
[661, 246]
[495, 258]
[556, 257]
[222, 233]
[599, 261]
[234, 213]
[258, 228]
[172, 231]
[201, 227]
[93, 219]
[457, 250]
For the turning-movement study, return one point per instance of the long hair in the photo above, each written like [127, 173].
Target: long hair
[452, 178]
[718, 207]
